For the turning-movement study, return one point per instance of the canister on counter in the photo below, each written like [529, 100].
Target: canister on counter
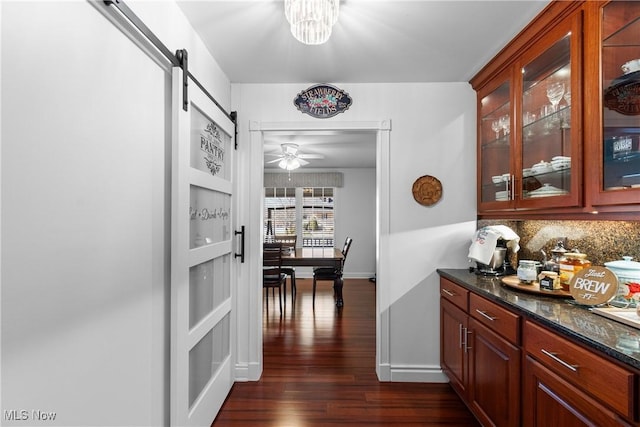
[527, 272]
[570, 265]
[549, 281]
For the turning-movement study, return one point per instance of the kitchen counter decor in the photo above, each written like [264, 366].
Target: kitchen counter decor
[563, 316]
[534, 288]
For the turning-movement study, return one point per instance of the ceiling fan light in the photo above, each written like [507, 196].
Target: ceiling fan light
[289, 163]
[293, 164]
[311, 20]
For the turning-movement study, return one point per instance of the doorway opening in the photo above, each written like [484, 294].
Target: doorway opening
[263, 138]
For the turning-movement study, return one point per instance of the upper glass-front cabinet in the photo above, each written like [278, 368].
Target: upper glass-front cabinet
[530, 156]
[495, 174]
[620, 73]
[546, 123]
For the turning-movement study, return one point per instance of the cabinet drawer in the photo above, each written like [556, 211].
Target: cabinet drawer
[454, 293]
[597, 376]
[497, 318]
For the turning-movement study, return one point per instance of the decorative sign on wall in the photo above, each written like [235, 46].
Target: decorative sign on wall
[322, 101]
[213, 148]
[427, 190]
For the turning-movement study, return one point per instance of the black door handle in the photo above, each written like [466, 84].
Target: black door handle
[241, 254]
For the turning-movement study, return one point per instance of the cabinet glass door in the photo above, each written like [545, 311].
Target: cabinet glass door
[546, 156]
[495, 175]
[621, 97]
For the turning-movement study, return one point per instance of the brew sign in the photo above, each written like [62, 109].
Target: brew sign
[593, 286]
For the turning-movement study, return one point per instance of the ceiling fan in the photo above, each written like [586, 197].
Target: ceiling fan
[290, 159]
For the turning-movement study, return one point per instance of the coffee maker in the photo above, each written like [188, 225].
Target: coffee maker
[491, 248]
[500, 264]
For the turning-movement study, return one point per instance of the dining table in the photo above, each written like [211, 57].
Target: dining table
[317, 257]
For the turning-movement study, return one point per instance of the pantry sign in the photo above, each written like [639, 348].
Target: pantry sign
[593, 286]
[322, 101]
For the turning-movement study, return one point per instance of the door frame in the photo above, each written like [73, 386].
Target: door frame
[249, 309]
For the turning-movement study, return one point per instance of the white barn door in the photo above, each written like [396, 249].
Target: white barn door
[202, 277]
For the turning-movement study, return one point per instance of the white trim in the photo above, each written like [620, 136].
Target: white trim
[418, 374]
[1, 352]
[250, 285]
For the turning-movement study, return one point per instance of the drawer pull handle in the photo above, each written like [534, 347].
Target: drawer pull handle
[448, 292]
[485, 315]
[569, 366]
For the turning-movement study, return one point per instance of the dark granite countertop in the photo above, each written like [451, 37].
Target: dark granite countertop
[615, 339]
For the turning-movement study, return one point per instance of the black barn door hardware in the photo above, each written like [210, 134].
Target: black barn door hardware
[178, 60]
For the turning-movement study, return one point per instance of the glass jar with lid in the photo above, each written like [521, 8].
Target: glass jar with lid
[527, 272]
[570, 265]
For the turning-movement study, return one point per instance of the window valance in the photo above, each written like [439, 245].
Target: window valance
[303, 179]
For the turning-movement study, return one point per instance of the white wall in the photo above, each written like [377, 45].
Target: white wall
[84, 197]
[356, 218]
[432, 132]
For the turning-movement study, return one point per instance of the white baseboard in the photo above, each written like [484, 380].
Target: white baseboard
[247, 372]
[418, 374]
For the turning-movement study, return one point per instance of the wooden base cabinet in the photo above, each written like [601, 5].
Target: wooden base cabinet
[573, 383]
[483, 367]
[494, 373]
[453, 350]
[550, 401]
[512, 371]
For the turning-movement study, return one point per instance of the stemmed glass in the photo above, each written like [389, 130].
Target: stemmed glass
[496, 126]
[555, 91]
[505, 124]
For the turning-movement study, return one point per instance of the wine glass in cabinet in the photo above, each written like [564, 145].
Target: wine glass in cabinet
[549, 151]
[495, 176]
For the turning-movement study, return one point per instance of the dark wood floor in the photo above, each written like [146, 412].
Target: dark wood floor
[319, 369]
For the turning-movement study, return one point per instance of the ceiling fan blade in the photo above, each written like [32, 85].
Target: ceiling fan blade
[275, 160]
[310, 156]
[302, 162]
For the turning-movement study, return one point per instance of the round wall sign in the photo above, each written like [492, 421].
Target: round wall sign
[593, 286]
[427, 190]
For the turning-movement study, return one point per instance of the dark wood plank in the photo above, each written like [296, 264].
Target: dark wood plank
[319, 370]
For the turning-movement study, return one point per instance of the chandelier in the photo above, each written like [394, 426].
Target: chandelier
[311, 20]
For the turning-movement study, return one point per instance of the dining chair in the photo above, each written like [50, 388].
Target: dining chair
[289, 243]
[272, 275]
[331, 273]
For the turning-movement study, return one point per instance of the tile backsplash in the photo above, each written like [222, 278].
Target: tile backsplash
[602, 241]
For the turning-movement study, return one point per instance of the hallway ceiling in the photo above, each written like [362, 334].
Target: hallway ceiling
[374, 41]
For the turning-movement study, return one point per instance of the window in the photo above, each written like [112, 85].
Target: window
[305, 212]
